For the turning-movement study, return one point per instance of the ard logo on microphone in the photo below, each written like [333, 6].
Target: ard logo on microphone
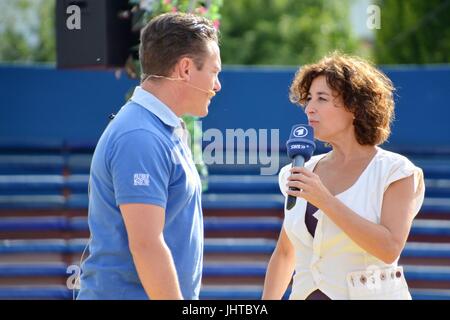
[300, 132]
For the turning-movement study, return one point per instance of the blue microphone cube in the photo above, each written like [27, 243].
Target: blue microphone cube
[301, 142]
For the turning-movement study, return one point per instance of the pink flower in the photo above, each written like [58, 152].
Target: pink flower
[216, 24]
[202, 10]
[174, 9]
[167, 1]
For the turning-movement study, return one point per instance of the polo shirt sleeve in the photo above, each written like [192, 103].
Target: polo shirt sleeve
[140, 165]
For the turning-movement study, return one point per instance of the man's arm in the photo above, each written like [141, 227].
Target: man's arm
[152, 257]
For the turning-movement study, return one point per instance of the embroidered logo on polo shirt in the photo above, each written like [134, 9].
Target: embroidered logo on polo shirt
[141, 179]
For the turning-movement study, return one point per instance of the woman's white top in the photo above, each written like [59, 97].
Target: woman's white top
[325, 261]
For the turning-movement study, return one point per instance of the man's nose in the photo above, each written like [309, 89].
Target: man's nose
[217, 85]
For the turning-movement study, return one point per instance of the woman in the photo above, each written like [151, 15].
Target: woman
[357, 202]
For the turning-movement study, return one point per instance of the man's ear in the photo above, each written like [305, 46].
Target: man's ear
[183, 68]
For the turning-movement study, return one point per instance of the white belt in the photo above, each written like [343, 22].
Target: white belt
[376, 281]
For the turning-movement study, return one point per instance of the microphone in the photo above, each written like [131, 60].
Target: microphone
[211, 93]
[300, 148]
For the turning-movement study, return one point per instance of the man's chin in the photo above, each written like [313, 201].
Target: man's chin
[200, 113]
[203, 113]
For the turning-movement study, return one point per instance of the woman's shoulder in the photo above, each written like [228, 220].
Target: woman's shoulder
[387, 158]
[392, 166]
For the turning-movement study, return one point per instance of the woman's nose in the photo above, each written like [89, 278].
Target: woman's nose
[309, 108]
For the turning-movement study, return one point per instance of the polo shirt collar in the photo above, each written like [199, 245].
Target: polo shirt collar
[155, 106]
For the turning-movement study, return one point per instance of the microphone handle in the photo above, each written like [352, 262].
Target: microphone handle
[298, 161]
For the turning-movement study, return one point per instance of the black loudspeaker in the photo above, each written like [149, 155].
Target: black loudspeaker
[93, 33]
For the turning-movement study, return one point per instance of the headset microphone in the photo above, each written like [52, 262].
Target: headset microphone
[211, 93]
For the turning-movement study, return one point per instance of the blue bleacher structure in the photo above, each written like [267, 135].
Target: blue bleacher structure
[43, 225]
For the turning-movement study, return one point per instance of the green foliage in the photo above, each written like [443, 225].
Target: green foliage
[13, 46]
[284, 32]
[46, 47]
[413, 31]
[146, 9]
[27, 31]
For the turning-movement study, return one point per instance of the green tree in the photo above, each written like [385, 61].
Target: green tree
[284, 32]
[413, 31]
[45, 49]
[27, 31]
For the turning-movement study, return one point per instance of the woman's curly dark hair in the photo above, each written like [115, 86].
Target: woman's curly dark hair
[366, 92]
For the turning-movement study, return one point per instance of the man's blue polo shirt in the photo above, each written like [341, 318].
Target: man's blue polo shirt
[141, 159]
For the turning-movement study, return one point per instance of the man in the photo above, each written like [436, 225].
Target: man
[145, 214]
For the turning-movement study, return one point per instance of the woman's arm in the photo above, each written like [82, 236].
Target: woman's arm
[385, 240]
[280, 269]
